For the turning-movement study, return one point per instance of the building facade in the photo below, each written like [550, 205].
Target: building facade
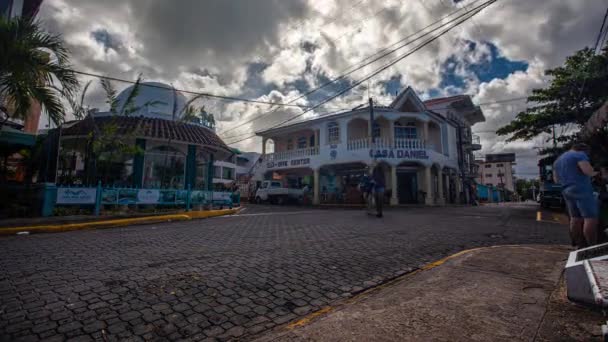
[173, 153]
[420, 146]
[497, 171]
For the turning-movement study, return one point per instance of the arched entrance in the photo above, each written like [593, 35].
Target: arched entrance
[410, 187]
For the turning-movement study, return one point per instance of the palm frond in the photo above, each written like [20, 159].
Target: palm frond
[129, 105]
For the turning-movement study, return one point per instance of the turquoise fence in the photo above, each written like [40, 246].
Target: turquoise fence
[98, 196]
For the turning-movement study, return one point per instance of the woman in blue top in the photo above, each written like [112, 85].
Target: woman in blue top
[574, 172]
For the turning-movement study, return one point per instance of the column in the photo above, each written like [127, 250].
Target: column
[264, 141]
[447, 187]
[394, 199]
[391, 134]
[210, 169]
[190, 178]
[316, 181]
[428, 182]
[425, 133]
[138, 163]
[440, 192]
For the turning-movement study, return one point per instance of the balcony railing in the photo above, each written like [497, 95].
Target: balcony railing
[285, 155]
[364, 143]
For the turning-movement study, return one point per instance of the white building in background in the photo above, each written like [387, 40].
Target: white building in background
[238, 168]
[424, 148]
[497, 170]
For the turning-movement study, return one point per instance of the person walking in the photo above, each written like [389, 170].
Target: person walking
[574, 172]
[379, 187]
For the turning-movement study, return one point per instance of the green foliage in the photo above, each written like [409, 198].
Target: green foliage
[577, 89]
[34, 65]
[523, 187]
[201, 116]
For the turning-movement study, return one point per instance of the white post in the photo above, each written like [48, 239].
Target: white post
[440, 193]
[428, 200]
[394, 199]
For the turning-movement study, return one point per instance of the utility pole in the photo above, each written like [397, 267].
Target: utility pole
[372, 143]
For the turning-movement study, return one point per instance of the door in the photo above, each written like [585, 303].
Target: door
[407, 187]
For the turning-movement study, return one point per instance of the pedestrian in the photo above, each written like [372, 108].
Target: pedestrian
[379, 186]
[574, 172]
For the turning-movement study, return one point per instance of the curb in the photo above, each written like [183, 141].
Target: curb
[310, 317]
[117, 222]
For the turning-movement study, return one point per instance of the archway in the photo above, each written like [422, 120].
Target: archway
[410, 183]
[357, 129]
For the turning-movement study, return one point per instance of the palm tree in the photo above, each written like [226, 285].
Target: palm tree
[34, 66]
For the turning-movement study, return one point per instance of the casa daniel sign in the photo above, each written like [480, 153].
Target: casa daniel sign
[399, 154]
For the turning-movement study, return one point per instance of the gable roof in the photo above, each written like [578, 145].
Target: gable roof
[408, 98]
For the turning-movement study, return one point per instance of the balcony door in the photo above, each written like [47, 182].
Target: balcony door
[407, 131]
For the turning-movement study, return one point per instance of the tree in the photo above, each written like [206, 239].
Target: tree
[34, 66]
[201, 117]
[577, 89]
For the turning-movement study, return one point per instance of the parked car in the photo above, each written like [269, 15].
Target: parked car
[274, 192]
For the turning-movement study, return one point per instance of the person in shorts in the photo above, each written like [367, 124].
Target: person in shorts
[574, 172]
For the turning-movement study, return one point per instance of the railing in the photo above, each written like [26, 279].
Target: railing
[476, 140]
[358, 144]
[413, 144]
[99, 196]
[284, 155]
[364, 143]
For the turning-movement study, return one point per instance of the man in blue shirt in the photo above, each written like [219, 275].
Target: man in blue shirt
[574, 172]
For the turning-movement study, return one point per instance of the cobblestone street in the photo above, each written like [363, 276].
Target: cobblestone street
[230, 277]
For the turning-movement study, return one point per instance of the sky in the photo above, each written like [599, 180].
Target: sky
[277, 50]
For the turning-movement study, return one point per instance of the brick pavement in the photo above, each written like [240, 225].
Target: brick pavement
[230, 277]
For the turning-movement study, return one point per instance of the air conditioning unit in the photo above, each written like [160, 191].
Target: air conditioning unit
[587, 276]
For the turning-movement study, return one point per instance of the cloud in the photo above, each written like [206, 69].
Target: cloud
[275, 49]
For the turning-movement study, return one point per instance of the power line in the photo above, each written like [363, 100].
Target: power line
[468, 15]
[599, 39]
[354, 67]
[435, 108]
[221, 97]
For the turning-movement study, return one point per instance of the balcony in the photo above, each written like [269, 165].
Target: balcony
[473, 143]
[291, 154]
[364, 143]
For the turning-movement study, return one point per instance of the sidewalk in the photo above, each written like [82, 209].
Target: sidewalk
[489, 294]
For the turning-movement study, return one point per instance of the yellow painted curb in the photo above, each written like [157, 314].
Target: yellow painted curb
[308, 318]
[117, 222]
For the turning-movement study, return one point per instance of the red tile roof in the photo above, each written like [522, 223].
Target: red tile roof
[143, 127]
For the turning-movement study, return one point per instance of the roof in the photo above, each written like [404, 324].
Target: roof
[439, 100]
[144, 127]
[16, 138]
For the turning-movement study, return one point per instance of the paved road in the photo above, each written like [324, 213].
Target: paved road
[230, 277]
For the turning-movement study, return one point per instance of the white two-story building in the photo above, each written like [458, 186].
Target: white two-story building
[424, 150]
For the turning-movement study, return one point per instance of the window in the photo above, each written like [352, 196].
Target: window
[276, 185]
[333, 133]
[312, 140]
[408, 131]
[227, 173]
[164, 167]
[488, 175]
[301, 142]
[289, 144]
[499, 165]
[488, 166]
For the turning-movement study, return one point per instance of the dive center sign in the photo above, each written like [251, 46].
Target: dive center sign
[285, 163]
[401, 154]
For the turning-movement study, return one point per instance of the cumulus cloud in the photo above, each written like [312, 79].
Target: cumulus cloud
[276, 50]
